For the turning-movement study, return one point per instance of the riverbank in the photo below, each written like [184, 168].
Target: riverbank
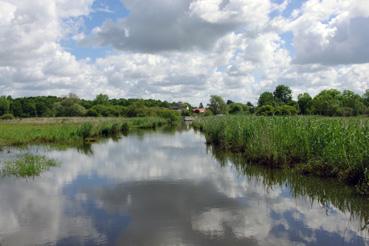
[325, 147]
[70, 130]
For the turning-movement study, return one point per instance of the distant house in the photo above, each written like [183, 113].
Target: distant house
[198, 110]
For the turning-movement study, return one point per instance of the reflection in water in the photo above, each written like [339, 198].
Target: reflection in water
[167, 188]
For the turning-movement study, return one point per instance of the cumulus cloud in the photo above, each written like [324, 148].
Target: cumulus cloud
[332, 32]
[183, 50]
[180, 25]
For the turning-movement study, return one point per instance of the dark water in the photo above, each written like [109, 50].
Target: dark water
[171, 189]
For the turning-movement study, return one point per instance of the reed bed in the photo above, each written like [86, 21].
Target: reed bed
[64, 131]
[327, 147]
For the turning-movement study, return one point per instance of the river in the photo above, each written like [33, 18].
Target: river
[169, 188]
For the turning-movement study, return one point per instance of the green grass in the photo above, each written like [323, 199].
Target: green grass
[328, 147]
[27, 166]
[70, 131]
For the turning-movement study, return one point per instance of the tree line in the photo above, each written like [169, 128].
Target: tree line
[329, 102]
[73, 106]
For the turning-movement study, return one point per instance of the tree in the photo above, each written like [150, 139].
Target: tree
[16, 108]
[201, 105]
[101, 99]
[229, 102]
[235, 108]
[282, 94]
[353, 101]
[327, 102]
[4, 105]
[217, 105]
[266, 98]
[305, 102]
[366, 97]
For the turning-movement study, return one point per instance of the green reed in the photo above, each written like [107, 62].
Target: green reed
[329, 147]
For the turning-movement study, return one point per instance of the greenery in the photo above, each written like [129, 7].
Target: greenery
[73, 106]
[280, 102]
[27, 166]
[330, 147]
[71, 130]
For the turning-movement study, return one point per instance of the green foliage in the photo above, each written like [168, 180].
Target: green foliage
[7, 117]
[4, 105]
[282, 94]
[266, 98]
[235, 108]
[101, 99]
[266, 110]
[85, 130]
[326, 146]
[305, 102]
[217, 105]
[27, 166]
[366, 97]
[327, 102]
[70, 131]
[286, 110]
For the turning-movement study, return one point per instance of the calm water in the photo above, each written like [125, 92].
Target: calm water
[171, 189]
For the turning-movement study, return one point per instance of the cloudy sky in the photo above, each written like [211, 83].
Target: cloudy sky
[182, 49]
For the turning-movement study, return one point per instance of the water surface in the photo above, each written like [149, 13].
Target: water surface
[162, 188]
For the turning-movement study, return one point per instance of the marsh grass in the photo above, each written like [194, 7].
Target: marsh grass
[327, 147]
[70, 131]
[27, 166]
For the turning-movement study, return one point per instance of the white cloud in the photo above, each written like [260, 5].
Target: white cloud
[184, 50]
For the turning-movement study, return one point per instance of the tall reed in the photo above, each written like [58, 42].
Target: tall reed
[333, 147]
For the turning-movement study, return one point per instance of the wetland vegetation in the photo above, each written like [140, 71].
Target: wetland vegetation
[327, 147]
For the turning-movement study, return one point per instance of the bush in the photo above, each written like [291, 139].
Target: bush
[92, 113]
[7, 117]
[286, 110]
[266, 110]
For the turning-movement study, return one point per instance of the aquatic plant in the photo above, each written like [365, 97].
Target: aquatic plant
[27, 166]
[328, 147]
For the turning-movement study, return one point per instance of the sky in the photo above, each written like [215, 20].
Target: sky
[182, 50]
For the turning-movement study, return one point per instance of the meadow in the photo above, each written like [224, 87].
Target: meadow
[326, 147]
[70, 130]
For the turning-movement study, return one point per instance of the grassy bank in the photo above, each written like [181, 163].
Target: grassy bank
[327, 147]
[72, 130]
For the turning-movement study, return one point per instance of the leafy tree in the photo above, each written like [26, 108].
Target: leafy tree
[282, 94]
[101, 99]
[201, 105]
[235, 108]
[366, 97]
[217, 105]
[353, 101]
[4, 105]
[266, 98]
[229, 102]
[327, 102]
[16, 108]
[305, 102]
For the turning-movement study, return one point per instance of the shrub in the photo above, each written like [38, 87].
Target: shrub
[7, 117]
[266, 110]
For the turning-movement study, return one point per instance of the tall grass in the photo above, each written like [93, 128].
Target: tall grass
[19, 132]
[330, 147]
